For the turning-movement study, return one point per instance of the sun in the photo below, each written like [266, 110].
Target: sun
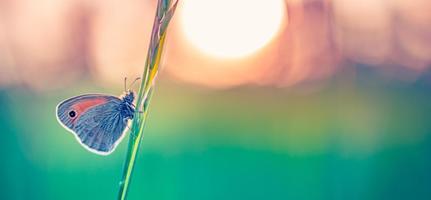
[231, 28]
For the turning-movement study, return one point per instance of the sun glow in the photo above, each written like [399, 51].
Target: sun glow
[231, 28]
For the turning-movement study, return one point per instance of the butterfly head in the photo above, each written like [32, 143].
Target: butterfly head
[129, 97]
[127, 108]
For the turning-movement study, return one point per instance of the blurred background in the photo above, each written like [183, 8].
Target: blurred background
[264, 99]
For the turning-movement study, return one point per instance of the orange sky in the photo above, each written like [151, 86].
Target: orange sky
[64, 40]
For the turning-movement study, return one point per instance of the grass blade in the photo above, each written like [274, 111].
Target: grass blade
[163, 16]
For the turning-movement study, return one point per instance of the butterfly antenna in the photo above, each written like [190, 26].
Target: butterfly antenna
[125, 84]
[131, 85]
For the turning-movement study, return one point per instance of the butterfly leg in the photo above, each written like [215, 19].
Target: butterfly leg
[139, 111]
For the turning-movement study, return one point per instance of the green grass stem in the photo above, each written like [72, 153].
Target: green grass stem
[165, 11]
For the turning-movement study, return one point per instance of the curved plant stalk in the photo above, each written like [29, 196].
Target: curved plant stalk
[165, 11]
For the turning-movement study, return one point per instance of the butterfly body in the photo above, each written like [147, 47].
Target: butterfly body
[98, 121]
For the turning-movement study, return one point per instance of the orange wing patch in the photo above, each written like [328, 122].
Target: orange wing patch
[84, 105]
[87, 104]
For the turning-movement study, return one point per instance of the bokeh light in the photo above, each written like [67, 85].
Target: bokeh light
[331, 102]
[231, 29]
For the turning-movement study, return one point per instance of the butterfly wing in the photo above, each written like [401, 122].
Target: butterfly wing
[101, 128]
[71, 109]
[95, 120]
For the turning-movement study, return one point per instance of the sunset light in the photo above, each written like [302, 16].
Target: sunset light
[231, 29]
[215, 99]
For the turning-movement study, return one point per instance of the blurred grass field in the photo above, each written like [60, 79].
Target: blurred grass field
[362, 139]
[273, 100]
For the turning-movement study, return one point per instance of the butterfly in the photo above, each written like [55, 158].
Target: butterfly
[98, 121]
